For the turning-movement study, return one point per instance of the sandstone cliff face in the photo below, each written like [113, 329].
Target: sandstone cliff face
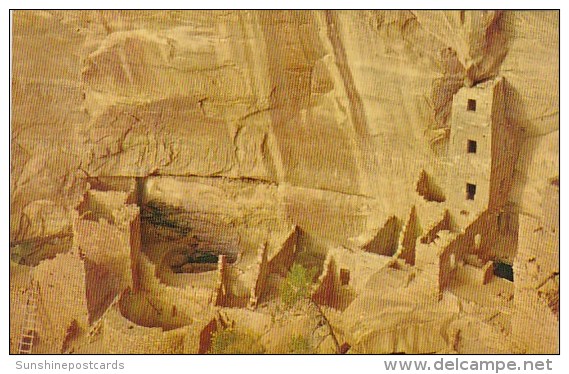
[355, 103]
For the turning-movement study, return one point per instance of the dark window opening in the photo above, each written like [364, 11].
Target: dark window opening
[471, 146]
[344, 277]
[503, 270]
[470, 191]
[471, 106]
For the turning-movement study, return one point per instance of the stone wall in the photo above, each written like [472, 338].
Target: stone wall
[437, 260]
[62, 297]
[284, 257]
[385, 241]
[439, 252]
[327, 286]
[431, 231]
[260, 272]
[190, 298]
[106, 249]
[408, 238]
[536, 279]
[410, 337]
[121, 336]
[107, 235]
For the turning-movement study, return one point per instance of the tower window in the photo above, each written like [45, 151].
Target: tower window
[504, 271]
[471, 106]
[470, 191]
[471, 146]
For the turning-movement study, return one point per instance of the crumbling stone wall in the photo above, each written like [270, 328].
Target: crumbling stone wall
[328, 284]
[536, 279]
[109, 247]
[219, 296]
[282, 259]
[439, 252]
[408, 238]
[385, 242]
[444, 223]
[434, 264]
[285, 255]
[410, 337]
[63, 297]
[189, 298]
[106, 249]
[260, 274]
[121, 336]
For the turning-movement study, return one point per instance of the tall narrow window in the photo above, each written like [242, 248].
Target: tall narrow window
[471, 105]
[470, 191]
[471, 146]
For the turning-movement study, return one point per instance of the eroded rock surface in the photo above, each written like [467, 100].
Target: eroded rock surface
[332, 122]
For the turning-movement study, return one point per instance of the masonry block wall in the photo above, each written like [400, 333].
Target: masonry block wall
[109, 247]
[106, 250]
[427, 260]
[281, 262]
[62, 296]
[219, 295]
[431, 231]
[536, 276]
[504, 150]
[261, 272]
[486, 227]
[408, 238]
[412, 337]
[120, 335]
[187, 299]
[481, 149]
[386, 240]
[438, 260]
[328, 284]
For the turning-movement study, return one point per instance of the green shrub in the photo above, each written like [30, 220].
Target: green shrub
[300, 345]
[230, 341]
[296, 285]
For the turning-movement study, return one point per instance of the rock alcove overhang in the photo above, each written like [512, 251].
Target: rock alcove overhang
[191, 242]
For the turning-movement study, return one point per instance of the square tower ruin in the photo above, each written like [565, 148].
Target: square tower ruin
[481, 149]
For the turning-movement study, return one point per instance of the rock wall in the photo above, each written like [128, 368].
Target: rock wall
[536, 278]
[62, 298]
[352, 102]
[264, 120]
[121, 336]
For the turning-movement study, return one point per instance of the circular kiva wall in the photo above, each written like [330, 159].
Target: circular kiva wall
[122, 335]
[150, 309]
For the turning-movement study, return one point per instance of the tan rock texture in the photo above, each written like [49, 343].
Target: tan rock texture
[402, 155]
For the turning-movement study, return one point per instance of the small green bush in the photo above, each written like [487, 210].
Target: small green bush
[230, 341]
[296, 285]
[300, 345]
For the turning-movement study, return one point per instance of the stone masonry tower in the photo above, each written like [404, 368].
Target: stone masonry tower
[481, 150]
